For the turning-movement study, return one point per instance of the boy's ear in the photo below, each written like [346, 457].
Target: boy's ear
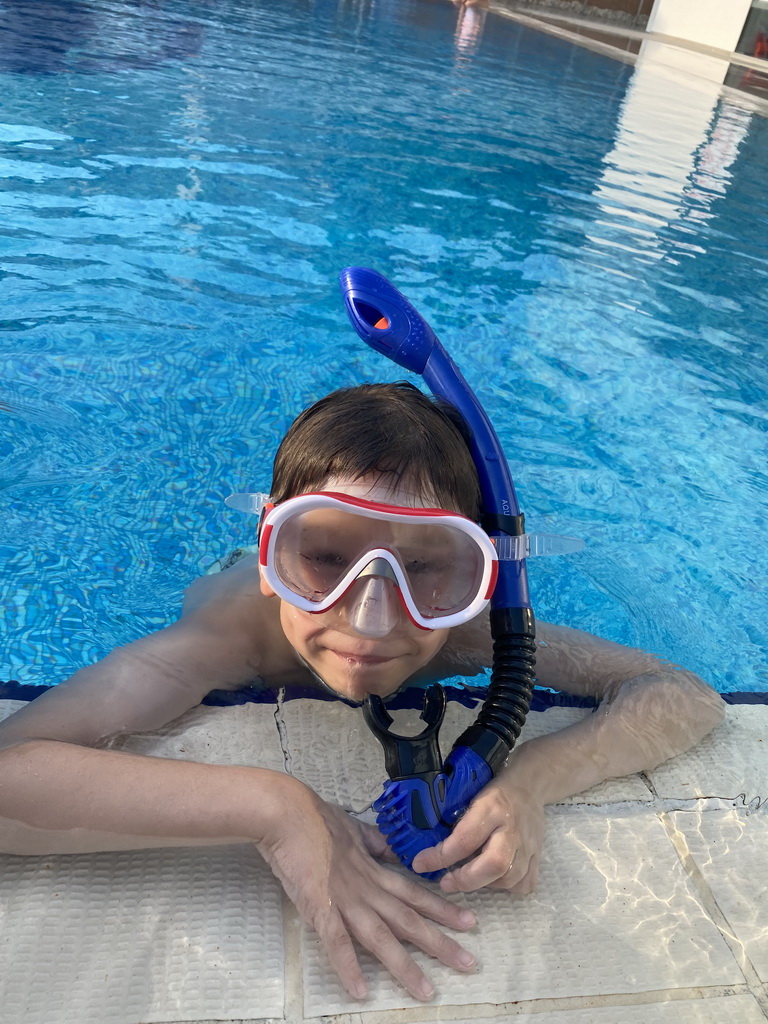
[265, 588]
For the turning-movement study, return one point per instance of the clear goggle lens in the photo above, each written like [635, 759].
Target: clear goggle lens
[315, 551]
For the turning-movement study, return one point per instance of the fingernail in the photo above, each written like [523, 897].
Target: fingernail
[466, 959]
[361, 990]
[427, 990]
[467, 919]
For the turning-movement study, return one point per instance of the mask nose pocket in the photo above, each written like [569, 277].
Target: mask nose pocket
[373, 606]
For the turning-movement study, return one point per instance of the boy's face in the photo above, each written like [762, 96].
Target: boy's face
[350, 662]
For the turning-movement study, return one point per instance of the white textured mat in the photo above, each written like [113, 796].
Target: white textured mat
[614, 913]
[730, 849]
[245, 734]
[731, 762]
[7, 707]
[156, 935]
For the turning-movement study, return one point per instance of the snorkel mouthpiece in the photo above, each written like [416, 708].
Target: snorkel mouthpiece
[420, 806]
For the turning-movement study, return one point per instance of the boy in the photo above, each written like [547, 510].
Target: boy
[62, 790]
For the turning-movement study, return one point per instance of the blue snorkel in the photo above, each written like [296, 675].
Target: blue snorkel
[424, 797]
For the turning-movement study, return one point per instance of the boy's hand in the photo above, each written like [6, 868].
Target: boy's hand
[502, 831]
[325, 862]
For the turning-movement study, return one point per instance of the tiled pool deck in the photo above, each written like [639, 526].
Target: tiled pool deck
[652, 904]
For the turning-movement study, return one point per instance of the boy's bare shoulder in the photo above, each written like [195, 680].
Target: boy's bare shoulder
[238, 584]
[230, 609]
[228, 636]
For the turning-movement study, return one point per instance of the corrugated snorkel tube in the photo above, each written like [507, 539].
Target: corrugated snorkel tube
[424, 798]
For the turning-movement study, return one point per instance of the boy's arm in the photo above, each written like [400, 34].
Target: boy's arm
[71, 796]
[59, 794]
[649, 711]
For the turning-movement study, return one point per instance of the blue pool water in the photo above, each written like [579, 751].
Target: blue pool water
[183, 180]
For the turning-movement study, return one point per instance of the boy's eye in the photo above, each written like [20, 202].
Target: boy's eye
[419, 567]
[325, 559]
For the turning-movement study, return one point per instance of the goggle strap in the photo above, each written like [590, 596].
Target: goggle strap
[508, 548]
[252, 504]
[535, 545]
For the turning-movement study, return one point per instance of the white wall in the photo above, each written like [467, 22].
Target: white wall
[715, 23]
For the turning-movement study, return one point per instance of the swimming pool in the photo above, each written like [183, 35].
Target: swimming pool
[183, 182]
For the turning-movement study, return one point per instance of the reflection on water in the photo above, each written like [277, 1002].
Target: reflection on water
[471, 15]
[675, 143]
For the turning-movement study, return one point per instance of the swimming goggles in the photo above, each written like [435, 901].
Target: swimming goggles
[314, 548]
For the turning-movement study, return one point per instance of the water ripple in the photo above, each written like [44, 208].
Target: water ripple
[184, 182]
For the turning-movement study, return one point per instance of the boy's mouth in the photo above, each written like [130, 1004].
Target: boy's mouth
[353, 658]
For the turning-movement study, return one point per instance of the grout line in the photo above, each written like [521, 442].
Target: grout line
[448, 1013]
[293, 962]
[293, 966]
[712, 907]
[282, 731]
[662, 803]
[645, 776]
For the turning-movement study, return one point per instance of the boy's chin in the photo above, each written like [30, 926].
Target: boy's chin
[355, 682]
[357, 690]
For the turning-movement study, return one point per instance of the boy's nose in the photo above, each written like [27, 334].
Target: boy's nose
[372, 605]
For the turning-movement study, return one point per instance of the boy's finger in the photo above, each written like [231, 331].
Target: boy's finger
[409, 926]
[378, 938]
[470, 834]
[341, 952]
[376, 844]
[495, 865]
[530, 880]
[433, 859]
[431, 904]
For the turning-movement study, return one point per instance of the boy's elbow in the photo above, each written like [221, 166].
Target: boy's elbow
[707, 707]
[672, 709]
[694, 705]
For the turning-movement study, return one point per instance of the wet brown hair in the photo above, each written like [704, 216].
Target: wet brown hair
[390, 430]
